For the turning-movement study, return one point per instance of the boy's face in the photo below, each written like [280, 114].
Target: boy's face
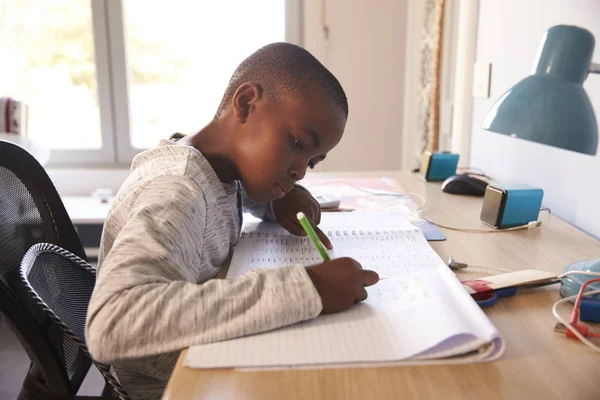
[280, 139]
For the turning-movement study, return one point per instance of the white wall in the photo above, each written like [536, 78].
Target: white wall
[411, 136]
[508, 36]
[366, 52]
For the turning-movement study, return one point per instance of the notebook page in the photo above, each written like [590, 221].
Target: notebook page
[384, 242]
[412, 315]
[403, 317]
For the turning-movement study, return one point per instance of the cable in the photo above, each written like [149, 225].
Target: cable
[530, 225]
[578, 273]
[471, 267]
[575, 314]
[573, 329]
[469, 168]
[474, 171]
[417, 195]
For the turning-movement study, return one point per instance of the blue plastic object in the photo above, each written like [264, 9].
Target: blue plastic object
[550, 106]
[441, 165]
[509, 205]
[494, 295]
[589, 310]
[523, 203]
[570, 285]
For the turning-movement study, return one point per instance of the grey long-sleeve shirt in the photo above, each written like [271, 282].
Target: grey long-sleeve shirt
[170, 227]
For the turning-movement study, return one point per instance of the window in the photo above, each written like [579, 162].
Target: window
[105, 79]
[47, 48]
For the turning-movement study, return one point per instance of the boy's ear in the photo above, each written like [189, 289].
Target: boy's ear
[244, 100]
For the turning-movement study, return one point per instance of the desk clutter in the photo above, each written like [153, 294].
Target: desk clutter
[578, 279]
[371, 194]
[417, 313]
[505, 206]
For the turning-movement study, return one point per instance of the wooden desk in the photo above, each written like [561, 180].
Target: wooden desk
[537, 363]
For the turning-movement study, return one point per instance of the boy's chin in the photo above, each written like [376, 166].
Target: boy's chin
[260, 196]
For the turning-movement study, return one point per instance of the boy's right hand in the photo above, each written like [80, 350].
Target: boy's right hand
[340, 283]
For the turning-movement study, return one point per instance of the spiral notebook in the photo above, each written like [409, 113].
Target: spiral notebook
[417, 313]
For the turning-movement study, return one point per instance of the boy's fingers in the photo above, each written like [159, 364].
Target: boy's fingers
[293, 226]
[323, 237]
[318, 217]
[361, 295]
[369, 277]
[317, 213]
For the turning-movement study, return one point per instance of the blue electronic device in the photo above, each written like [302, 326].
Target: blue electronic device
[589, 309]
[438, 166]
[507, 206]
[570, 284]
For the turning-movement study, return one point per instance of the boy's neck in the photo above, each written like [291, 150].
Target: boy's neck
[213, 143]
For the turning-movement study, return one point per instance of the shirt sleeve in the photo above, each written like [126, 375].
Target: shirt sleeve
[145, 304]
[261, 211]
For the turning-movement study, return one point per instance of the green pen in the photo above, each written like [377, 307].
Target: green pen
[312, 235]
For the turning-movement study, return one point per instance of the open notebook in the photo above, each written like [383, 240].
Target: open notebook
[417, 313]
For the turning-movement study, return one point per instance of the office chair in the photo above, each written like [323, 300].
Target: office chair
[31, 212]
[62, 284]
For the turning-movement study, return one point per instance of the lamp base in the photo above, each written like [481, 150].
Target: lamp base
[571, 284]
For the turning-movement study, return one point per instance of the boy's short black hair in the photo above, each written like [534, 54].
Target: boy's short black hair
[284, 67]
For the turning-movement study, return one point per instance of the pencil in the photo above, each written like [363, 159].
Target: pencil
[312, 235]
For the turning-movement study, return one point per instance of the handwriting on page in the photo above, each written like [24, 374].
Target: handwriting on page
[387, 252]
[409, 289]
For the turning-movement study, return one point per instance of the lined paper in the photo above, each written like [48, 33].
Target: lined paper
[418, 312]
[384, 242]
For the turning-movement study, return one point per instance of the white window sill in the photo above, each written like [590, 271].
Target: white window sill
[82, 182]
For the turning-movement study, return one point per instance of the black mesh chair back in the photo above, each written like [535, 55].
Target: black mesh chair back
[31, 212]
[62, 284]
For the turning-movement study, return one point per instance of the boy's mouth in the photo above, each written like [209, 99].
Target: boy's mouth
[280, 191]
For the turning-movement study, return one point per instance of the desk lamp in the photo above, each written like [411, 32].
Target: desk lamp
[550, 107]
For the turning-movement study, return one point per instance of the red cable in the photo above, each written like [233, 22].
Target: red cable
[583, 329]
[575, 313]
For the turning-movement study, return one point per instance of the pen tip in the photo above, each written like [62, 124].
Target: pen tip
[300, 215]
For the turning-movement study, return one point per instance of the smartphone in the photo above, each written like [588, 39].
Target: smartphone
[328, 202]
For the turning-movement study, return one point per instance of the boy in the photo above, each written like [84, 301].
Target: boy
[177, 216]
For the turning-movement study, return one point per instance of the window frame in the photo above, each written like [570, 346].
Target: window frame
[112, 77]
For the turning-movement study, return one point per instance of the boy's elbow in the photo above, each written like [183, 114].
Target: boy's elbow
[100, 334]
[100, 347]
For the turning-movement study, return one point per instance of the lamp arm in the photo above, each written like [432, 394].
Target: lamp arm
[594, 68]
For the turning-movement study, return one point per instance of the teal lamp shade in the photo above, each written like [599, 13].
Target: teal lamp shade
[550, 106]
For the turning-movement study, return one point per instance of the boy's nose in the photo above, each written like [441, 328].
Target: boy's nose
[297, 173]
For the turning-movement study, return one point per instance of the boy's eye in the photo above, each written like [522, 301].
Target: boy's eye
[311, 164]
[298, 145]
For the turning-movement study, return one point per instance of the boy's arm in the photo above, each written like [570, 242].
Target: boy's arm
[145, 303]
